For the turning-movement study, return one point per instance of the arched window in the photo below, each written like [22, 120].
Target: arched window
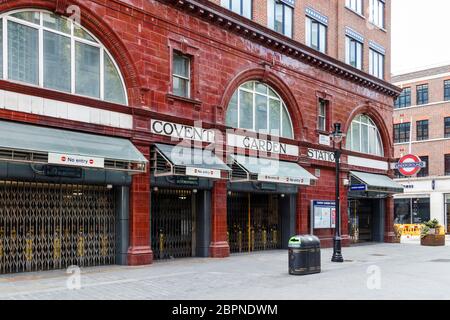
[46, 50]
[363, 136]
[257, 107]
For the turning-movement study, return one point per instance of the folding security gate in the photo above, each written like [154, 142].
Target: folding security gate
[173, 223]
[254, 222]
[53, 226]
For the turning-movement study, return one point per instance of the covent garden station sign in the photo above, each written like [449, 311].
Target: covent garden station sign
[255, 168]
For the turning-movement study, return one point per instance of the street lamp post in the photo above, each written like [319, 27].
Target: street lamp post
[337, 137]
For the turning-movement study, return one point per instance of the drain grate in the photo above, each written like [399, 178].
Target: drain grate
[441, 260]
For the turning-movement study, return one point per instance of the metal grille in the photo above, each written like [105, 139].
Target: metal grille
[172, 223]
[53, 226]
[253, 222]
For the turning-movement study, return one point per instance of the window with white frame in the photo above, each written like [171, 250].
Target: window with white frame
[46, 50]
[353, 52]
[316, 35]
[280, 17]
[376, 10]
[376, 64]
[355, 5]
[363, 136]
[256, 106]
[322, 115]
[242, 7]
[181, 75]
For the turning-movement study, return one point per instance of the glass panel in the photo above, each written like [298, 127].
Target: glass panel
[23, 58]
[272, 93]
[322, 38]
[420, 210]
[236, 6]
[30, 16]
[248, 85]
[114, 89]
[287, 126]
[349, 140]
[314, 35]
[57, 66]
[275, 117]
[247, 9]
[180, 65]
[402, 211]
[308, 31]
[246, 110]
[261, 88]
[279, 17]
[364, 139]
[261, 114]
[271, 14]
[180, 87]
[1, 48]
[359, 54]
[356, 139]
[56, 23]
[87, 70]
[232, 112]
[80, 33]
[288, 21]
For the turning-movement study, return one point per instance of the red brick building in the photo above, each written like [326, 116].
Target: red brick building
[157, 73]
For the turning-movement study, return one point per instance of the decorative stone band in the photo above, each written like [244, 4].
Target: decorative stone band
[316, 15]
[375, 46]
[353, 34]
[289, 2]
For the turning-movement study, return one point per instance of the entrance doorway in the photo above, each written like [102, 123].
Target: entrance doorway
[254, 222]
[366, 220]
[173, 223]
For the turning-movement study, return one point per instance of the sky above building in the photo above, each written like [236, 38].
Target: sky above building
[419, 34]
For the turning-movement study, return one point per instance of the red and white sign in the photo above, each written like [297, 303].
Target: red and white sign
[410, 165]
[75, 160]
[204, 173]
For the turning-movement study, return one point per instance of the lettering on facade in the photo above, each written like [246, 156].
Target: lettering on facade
[261, 145]
[321, 155]
[182, 131]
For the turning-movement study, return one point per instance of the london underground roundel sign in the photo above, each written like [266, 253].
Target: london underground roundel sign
[410, 165]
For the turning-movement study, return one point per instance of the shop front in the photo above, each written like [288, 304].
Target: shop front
[262, 195]
[182, 180]
[64, 198]
[367, 198]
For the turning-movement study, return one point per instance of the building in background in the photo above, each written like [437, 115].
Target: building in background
[423, 111]
[142, 130]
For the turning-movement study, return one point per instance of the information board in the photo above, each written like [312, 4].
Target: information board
[323, 214]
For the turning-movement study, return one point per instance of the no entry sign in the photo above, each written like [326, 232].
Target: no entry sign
[410, 165]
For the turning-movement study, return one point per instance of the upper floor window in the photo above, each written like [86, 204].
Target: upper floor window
[353, 52]
[322, 115]
[363, 136]
[280, 17]
[404, 99]
[422, 130]
[355, 5]
[377, 12]
[447, 164]
[316, 35]
[424, 172]
[422, 94]
[242, 7]
[52, 52]
[376, 64]
[447, 127]
[402, 132]
[181, 75]
[257, 107]
[446, 90]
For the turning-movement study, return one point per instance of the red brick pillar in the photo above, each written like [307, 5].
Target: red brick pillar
[140, 252]
[219, 247]
[303, 216]
[389, 235]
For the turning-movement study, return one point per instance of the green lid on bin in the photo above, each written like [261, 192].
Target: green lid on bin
[295, 241]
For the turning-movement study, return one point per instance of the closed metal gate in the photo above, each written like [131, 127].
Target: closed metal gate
[172, 219]
[53, 226]
[254, 223]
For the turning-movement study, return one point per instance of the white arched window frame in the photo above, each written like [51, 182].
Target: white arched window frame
[363, 136]
[75, 38]
[257, 107]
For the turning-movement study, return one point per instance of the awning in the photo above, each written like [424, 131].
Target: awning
[170, 160]
[269, 170]
[368, 182]
[39, 145]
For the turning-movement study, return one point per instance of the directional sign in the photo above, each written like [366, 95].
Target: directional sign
[410, 165]
[358, 187]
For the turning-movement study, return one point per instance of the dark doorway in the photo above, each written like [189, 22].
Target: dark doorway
[366, 220]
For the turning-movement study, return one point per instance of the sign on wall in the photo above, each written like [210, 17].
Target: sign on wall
[182, 131]
[75, 160]
[250, 143]
[323, 214]
[410, 165]
[204, 173]
[321, 155]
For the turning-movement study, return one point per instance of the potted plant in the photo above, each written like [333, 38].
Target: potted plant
[430, 235]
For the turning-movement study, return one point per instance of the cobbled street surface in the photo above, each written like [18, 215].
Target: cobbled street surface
[406, 271]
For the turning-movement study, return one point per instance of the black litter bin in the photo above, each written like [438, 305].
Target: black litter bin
[304, 255]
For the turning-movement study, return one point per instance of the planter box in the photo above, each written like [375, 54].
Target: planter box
[433, 240]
